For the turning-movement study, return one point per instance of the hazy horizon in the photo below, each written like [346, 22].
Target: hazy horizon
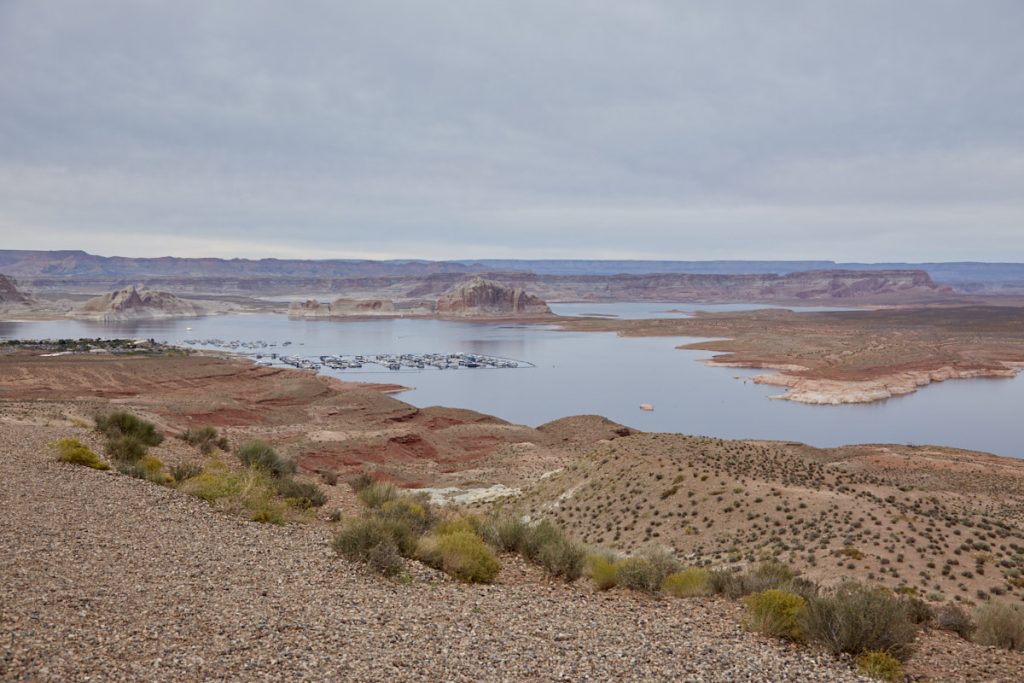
[866, 132]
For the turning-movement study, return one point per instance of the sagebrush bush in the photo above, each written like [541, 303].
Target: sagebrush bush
[687, 583]
[360, 481]
[460, 554]
[881, 666]
[855, 618]
[377, 542]
[638, 573]
[77, 453]
[775, 613]
[377, 493]
[952, 617]
[300, 494]
[603, 569]
[1000, 624]
[206, 439]
[149, 468]
[185, 470]
[537, 536]
[128, 449]
[563, 558]
[764, 576]
[505, 532]
[120, 423]
[417, 513]
[261, 454]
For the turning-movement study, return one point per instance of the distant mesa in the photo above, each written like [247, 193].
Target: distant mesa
[136, 302]
[10, 295]
[480, 297]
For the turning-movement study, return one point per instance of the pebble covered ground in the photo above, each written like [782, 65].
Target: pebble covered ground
[105, 577]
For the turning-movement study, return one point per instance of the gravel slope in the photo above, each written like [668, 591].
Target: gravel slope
[103, 577]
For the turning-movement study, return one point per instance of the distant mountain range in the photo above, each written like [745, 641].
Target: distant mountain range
[32, 266]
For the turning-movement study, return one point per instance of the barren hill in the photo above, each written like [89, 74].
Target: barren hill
[10, 295]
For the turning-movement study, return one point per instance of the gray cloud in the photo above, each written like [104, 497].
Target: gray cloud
[854, 131]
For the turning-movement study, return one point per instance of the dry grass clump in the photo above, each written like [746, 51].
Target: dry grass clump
[856, 618]
[461, 554]
[881, 666]
[775, 613]
[377, 493]
[687, 583]
[1000, 624]
[77, 453]
[251, 491]
[206, 439]
[148, 467]
[185, 470]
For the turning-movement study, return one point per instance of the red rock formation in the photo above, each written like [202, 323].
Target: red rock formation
[485, 298]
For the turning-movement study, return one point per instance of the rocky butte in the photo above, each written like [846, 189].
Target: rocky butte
[10, 295]
[136, 302]
[479, 298]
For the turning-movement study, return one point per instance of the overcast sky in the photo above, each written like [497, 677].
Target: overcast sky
[847, 130]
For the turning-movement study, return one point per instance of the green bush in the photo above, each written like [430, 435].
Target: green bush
[417, 514]
[300, 494]
[460, 554]
[604, 570]
[1001, 625]
[505, 532]
[206, 439]
[538, 536]
[377, 542]
[881, 666]
[855, 618]
[775, 613]
[149, 468]
[77, 453]
[687, 583]
[377, 493]
[639, 574]
[262, 455]
[120, 423]
[127, 448]
[952, 617]
[563, 559]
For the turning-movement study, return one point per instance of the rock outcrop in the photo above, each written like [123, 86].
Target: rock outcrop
[486, 298]
[344, 308]
[10, 295]
[136, 302]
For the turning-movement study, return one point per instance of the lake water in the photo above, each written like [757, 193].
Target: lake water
[601, 373]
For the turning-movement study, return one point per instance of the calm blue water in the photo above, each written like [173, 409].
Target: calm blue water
[578, 373]
[647, 310]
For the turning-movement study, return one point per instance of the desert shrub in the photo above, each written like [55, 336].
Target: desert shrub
[603, 570]
[417, 514]
[563, 558]
[185, 470]
[461, 554]
[775, 613]
[765, 576]
[687, 583]
[329, 478]
[119, 424]
[504, 532]
[639, 574]
[548, 546]
[856, 618]
[128, 449]
[262, 455]
[206, 439]
[1001, 625]
[952, 617]
[360, 481]
[377, 542]
[454, 525]
[250, 491]
[300, 494]
[377, 493]
[881, 666]
[149, 468]
[919, 611]
[77, 453]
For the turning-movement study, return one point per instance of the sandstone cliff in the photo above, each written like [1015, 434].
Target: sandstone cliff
[486, 298]
[136, 302]
[10, 295]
